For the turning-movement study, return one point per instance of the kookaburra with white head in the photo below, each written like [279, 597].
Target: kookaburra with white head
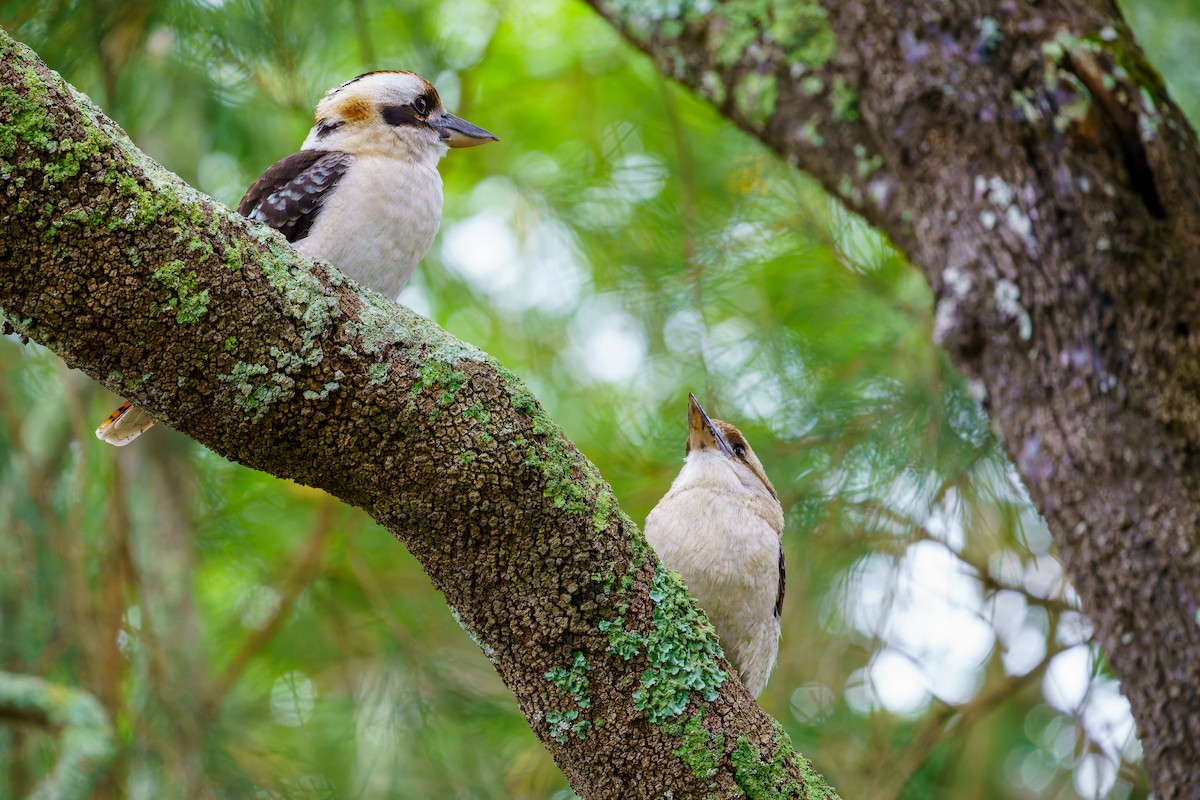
[720, 528]
[363, 193]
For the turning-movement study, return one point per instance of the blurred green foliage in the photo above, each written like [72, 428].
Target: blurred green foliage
[620, 246]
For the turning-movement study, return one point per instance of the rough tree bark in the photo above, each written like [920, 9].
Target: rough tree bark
[224, 332]
[1028, 159]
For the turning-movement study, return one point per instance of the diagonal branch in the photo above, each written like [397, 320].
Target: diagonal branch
[221, 330]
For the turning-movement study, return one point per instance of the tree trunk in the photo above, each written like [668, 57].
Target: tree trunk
[220, 329]
[1028, 159]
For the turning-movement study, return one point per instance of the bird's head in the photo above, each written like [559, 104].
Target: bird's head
[715, 443]
[390, 113]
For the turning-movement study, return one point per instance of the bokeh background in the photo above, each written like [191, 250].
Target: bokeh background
[620, 246]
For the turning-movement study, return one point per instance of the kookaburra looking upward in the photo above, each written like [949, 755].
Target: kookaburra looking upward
[363, 193]
[719, 527]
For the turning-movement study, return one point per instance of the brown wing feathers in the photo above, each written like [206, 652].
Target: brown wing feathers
[289, 194]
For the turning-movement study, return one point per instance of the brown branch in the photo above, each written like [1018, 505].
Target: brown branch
[222, 331]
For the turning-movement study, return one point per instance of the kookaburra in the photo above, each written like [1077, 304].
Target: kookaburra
[720, 528]
[363, 193]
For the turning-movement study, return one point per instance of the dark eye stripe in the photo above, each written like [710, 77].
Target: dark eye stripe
[401, 115]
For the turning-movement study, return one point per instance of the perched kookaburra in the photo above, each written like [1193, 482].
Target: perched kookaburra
[719, 527]
[363, 193]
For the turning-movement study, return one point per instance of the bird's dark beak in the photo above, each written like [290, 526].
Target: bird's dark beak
[701, 431]
[460, 133]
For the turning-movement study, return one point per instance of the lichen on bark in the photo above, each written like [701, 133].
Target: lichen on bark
[287, 366]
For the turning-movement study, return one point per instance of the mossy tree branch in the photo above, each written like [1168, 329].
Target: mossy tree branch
[221, 330]
[1028, 159]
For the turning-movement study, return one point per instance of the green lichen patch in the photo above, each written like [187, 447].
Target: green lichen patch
[558, 470]
[306, 297]
[292, 363]
[701, 750]
[763, 779]
[623, 643]
[27, 118]
[438, 357]
[190, 303]
[145, 206]
[755, 96]
[22, 328]
[326, 390]
[564, 723]
[441, 378]
[253, 394]
[572, 482]
[844, 100]
[759, 778]
[377, 373]
[800, 29]
[573, 682]
[606, 507]
[477, 412]
[381, 325]
[682, 651]
[135, 384]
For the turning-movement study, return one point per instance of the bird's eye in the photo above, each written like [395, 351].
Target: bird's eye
[421, 106]
[739, 451]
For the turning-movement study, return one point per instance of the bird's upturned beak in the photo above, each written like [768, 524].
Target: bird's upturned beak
[460, 133]
[701, 431]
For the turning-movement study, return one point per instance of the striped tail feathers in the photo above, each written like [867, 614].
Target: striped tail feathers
[124, 425]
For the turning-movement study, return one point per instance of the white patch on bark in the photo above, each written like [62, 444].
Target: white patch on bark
[1008, 301]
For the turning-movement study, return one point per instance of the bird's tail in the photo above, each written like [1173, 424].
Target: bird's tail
[124, 425]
